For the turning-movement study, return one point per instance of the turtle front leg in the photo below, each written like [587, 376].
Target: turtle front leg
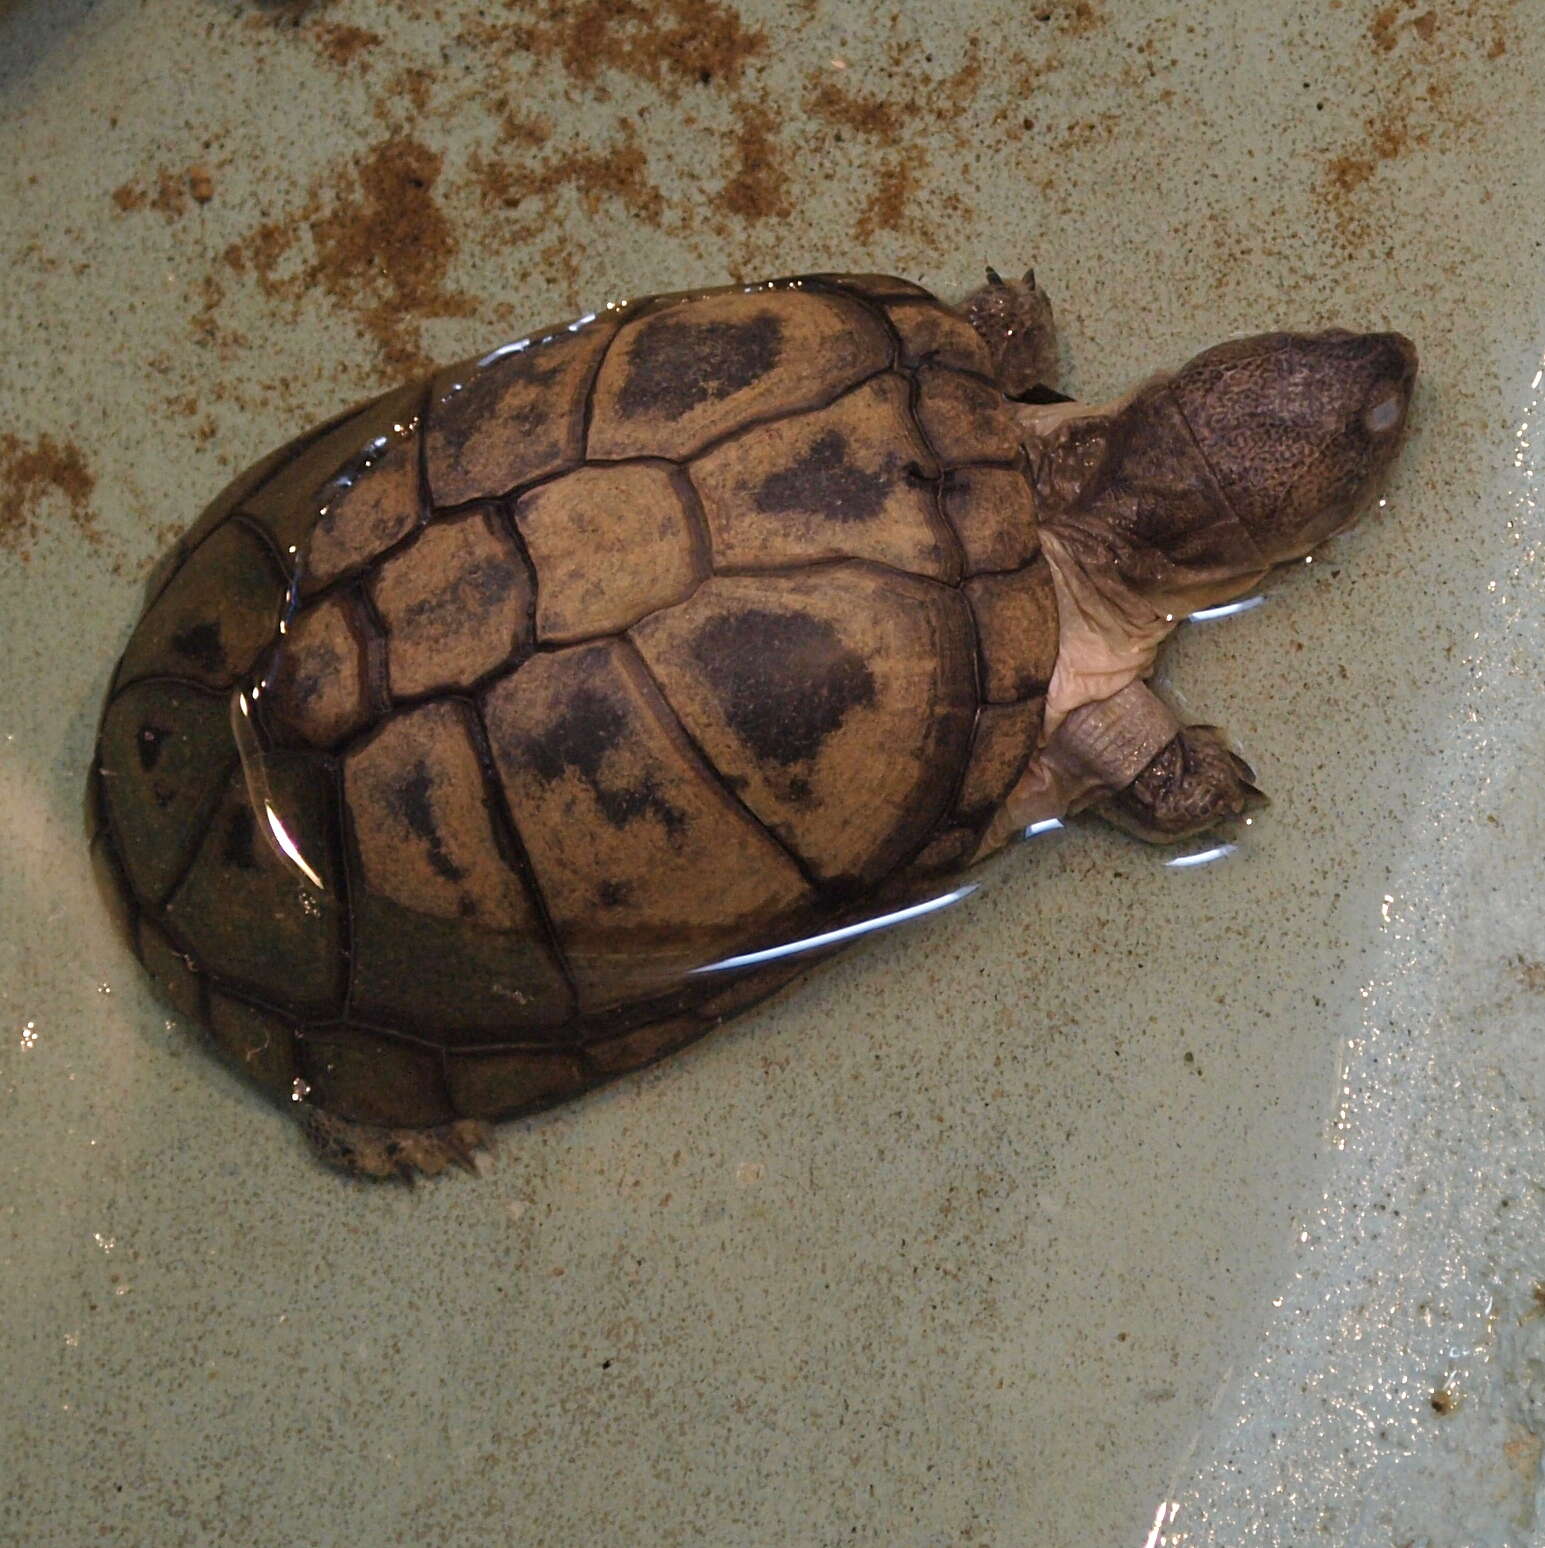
[1194, 782]
[1128, 759]
[1014, 319]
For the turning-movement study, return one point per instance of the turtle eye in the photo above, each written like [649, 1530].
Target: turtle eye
[1385, 413]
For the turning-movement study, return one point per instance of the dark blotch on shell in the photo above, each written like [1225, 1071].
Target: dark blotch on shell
[202, 645]
[412, 800]
[580, 739]
[674, 366]
[240, 830]
[786, 680]
[824, 480]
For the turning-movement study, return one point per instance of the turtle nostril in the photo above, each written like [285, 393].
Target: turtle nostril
[1385, 414]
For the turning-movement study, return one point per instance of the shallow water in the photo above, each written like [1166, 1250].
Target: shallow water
[1128, 1203]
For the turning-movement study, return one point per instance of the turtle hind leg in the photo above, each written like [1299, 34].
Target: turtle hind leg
[1194, 783]
[1014, 319]
[370, 1150]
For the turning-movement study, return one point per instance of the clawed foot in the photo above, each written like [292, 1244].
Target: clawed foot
[1014, 319]
[1193, 784]
[367, 1150]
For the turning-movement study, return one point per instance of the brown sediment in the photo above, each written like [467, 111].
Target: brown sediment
[385, 247]
[344, 44]
[887, 207]
[878, 117]
[30, 473]
[670, 44]
[618, 172]
[758, 188]
[381, 248]
[170, 194]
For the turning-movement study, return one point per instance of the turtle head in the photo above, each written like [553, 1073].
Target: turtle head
[1298, 428]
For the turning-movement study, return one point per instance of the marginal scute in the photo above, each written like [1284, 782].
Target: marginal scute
[682, 375]
[1005, 737]
[993, 513]
[365, 512]
[808, 687]
[649, 867]
[515, 417]
[610, 544]
[288, 504]
[260, 906]
[316, 683]
[214, 616]
[643, 1045]
[944, 853]
[933, 333]
[260, 1044]
[873, 287]
[1016, 621]
[165, 755]
[176, 974]
[964, 419]
[500, 1082]
[370, 1078]
[456, 603]
[846, 481]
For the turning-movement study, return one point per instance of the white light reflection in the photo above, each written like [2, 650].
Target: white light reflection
[499, 354]
[1164, 1516]
[1201, 857]
[287, 844]
[1225, 610]
[1045, 825]
[845, 933]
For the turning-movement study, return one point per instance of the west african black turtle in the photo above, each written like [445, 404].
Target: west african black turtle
[461, 734]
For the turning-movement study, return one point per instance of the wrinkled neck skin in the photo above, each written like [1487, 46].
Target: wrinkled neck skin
[1136, 532]
[1138, 535]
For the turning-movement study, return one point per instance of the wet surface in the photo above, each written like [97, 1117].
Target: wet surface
[1130, 1202]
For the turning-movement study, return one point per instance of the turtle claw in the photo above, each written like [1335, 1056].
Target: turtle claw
[1195, 782]
[370, 1150]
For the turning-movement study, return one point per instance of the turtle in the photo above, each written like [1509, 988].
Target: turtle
[508, 732]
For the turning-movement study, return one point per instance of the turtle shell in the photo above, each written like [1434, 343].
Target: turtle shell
[458, 734]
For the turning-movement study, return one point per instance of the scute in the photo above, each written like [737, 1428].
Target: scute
[317, 687]
[847, 481]
[286, 505]
[836, 700]
[455, 603]
[992, 511]
[611, 543]
[368, 1077]
[448, 940]
[491, 1082]
[1016, 620]
[649, 866]
[365, 512]
[164, 756]
[213, 617]
[246, 904]
[512, 417]
[679, 376]
[259, 1043]
[965, 420]
[932, 334]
